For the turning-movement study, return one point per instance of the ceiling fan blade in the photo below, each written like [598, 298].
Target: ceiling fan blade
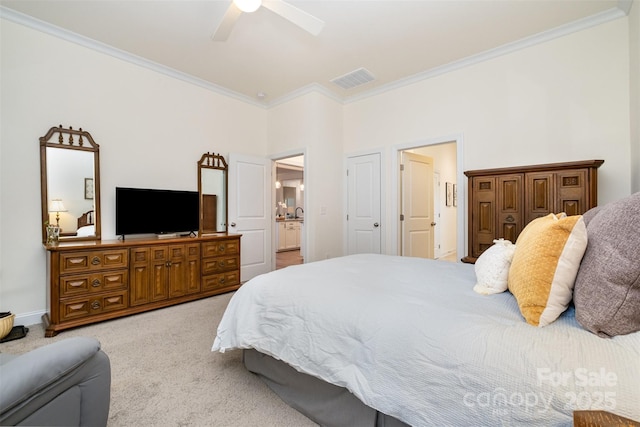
[226, 25]
[297, 16]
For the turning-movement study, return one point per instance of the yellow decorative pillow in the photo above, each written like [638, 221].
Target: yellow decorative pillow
[545, 264]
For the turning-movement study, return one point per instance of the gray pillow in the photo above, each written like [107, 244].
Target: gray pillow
[607, 289]
[590, 214]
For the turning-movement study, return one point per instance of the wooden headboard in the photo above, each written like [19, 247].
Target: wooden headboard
[86, 219]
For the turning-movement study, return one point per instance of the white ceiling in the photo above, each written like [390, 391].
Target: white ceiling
[395, 40]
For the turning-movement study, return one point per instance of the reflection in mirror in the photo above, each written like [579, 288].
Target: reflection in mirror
[69, 176]
[70, 183]
[289, 196]
[212, 185]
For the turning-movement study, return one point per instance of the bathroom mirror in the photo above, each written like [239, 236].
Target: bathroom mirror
[70, 184]
[212, 189]
[289, 196]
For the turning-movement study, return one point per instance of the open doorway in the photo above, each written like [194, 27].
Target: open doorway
[289, 211]
[428, 223]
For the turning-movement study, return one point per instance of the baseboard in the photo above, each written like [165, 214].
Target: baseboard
[448, 254]
[27, 319]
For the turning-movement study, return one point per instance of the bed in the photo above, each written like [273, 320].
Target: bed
[384, 340]
[86, 226]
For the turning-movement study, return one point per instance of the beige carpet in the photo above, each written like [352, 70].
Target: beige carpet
[164, 373]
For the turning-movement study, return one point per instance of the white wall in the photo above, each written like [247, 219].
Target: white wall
[313, 123]
[567, 99]
[634, 73]
[151, 128]
[564, 100]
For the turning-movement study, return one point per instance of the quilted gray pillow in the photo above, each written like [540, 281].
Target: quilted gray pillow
[607, 288]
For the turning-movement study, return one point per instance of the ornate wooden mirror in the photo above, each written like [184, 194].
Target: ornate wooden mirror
[212, 188]
[70, 184]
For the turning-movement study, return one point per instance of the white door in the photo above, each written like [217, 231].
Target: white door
[437, 252]
[249, 213]
[363, 204]
[417, 205]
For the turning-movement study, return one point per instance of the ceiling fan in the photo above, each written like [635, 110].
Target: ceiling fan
[289, 12]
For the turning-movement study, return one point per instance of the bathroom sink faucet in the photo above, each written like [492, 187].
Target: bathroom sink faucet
[296, 212]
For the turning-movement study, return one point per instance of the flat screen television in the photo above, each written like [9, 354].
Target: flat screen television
[144, 211]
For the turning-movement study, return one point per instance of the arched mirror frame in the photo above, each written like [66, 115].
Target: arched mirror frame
[85, 143]
[216, 162]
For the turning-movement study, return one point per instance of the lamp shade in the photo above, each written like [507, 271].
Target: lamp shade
[56, 205]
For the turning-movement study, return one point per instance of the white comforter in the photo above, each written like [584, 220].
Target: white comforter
[411, 339]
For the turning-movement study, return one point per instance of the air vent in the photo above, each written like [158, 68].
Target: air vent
[354, 78]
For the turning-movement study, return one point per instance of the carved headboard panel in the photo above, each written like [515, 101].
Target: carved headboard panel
[86, 219]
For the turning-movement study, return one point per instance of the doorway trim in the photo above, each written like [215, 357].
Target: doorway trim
[461, 213]
[307, 220]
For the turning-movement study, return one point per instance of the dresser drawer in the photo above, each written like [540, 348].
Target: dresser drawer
[220, 264]
[74, 262]
[80, 284]
[221, 247]
[219, 281]
[92, 305]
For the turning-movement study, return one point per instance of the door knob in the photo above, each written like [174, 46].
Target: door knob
[433, 224]
[376, 225]
[233, 224]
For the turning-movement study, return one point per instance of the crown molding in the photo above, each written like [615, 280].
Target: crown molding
[305, 90]
[625, 5]
[53, 30]
[543, 37]
[621, 10]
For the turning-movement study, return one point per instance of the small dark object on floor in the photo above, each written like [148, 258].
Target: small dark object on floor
[16, 333]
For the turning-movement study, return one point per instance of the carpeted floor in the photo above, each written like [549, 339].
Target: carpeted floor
[164, 373]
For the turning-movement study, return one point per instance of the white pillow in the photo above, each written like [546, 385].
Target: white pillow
[492, 268]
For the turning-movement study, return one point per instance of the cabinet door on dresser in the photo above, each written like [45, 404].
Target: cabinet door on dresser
[184, 269]
[161, 272]
[147, 281]
[509, 215]
[554, 192]
[483, 208]
[496, 210]
[539, 195]
[572, 192]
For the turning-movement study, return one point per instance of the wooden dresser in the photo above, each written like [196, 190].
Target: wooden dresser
[502, 201]
[94, 281]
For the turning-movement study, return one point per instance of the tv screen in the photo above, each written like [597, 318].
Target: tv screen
[143, 210]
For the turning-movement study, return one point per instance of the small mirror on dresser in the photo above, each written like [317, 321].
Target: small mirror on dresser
[70, 185]
[212, 188]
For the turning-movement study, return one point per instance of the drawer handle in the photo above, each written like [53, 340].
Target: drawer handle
[221, 263]
[95, 305]
[509, 218]
[95, 283]
[222, 281]
[95, 260]
[221, 248]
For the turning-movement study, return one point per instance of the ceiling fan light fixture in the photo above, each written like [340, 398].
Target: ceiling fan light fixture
[248, 5]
